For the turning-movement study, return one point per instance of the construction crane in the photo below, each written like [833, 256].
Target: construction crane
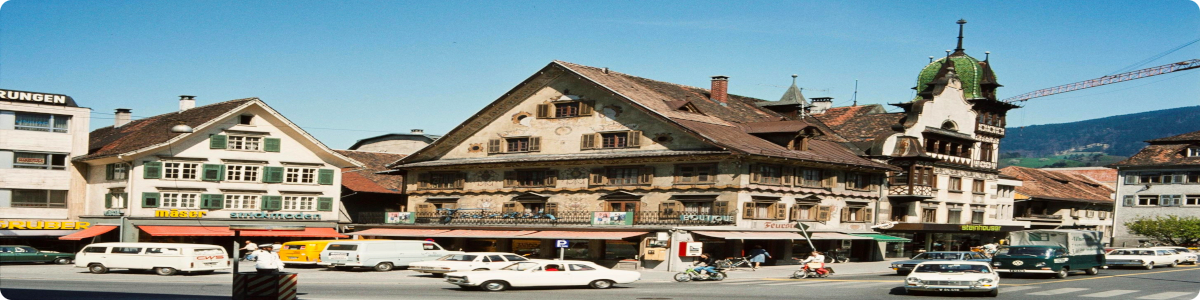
[1110, 79]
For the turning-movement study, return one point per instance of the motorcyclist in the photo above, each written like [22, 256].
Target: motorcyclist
[706, 264]
[815, 257]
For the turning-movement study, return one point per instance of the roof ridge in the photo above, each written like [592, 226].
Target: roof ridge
[654, 80]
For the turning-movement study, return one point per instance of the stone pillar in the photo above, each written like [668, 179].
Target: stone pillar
[735, 248]
[504, 245]
[596, 249]
[458, 244]
[785, 258]
[548, 250]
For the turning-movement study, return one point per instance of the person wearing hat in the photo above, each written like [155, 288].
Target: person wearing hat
[267, 262]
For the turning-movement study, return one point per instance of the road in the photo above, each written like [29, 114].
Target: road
[20, 282]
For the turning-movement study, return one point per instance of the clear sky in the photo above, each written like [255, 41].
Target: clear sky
[346, 70]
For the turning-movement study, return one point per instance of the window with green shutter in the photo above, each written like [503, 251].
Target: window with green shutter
[152, 170]
[124, 199]
[108, 200]
[325, 176]
[150, 199]
[212, 201]
[271, 144]
[272, 202]
[217, 141]
[324, 204]
[108, 171]
[213, 172]
[272, 174]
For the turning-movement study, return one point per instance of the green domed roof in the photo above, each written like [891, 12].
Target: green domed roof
[969, 71]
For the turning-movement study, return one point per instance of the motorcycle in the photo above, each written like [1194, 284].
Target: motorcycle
[813, 270]
[691, 274]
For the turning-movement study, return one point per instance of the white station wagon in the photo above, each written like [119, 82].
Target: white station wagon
[473, 261]
[1183, 255]
[539, 273]
[1141, 257]
[953, 276]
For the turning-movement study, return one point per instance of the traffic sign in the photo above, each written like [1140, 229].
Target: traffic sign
[562, 244]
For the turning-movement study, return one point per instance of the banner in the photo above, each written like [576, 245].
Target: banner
[400, 218]
[612, 218]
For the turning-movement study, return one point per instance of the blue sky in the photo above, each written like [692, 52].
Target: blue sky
[346, 70]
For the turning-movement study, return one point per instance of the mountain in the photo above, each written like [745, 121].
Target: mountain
[1121, 135]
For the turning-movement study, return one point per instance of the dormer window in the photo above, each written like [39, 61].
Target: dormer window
[1193, 152]
[611, 140]
[799, 144]
[567, 106]
[515, 145]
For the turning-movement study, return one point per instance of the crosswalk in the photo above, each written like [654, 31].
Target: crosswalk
[1031, 290]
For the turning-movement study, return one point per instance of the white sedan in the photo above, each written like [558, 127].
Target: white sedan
[1141, 257]
[474, 261]
[953, 276]
[1183, 255]
[539, 273]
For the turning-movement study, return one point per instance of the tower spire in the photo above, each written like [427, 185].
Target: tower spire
[960, 32]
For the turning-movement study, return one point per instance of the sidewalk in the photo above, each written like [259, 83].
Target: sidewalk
[850, 268]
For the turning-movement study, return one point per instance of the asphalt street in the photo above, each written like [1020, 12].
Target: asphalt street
[20, 282]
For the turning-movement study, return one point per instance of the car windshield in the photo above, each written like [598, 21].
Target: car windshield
[521, 266]
[342, 247]
[458, 257]
[1024, 251]
[949, 268]
[936, 255]
[1131, 252]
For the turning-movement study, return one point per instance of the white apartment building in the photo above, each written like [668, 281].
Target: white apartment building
[39, 133]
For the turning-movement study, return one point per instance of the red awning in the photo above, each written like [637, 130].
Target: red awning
[399, 232]
[224, 231]
[583, 235]
[753, 235]
[484, 233]
[87, 233]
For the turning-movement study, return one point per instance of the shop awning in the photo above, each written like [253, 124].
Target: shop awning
[484, 233]
[835, 236]
[87, 233]
[883, 237]
[307, 232]
[399, 232]
[583, 235]
[224, 231]
[24, 233]
[752, 235]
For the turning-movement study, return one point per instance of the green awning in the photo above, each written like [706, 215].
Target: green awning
[883, 237]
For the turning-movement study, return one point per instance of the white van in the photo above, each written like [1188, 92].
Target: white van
[164, 258]
[381, 255]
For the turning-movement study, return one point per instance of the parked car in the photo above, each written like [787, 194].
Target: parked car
[541, 273]
[953, 276]
[1183, 255]
[11, 254]
[164, 258]
[1141, 257]
[471, 261]
[382, 255]
[303, 252]
[905, 266]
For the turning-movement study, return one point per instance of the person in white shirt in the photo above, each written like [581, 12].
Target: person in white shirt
[267, 262]
[250, 247]
[814, 257]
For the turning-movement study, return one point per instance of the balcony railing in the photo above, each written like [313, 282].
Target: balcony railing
[995, 130]
[469, 218]
[916, 190]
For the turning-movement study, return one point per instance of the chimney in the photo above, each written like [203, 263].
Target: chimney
[123, 116]
[186, 102]
[820, 105]
[720, 89]
[418, 131]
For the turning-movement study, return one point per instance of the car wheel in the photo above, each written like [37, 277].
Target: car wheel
[1092, 271]
[914, 293]
[438, 275]
[601, 284]
[1062, 273]
[480, 269]
[494, 286]
[384, 267]
[1174, 263]
[1005, 275]
[97, 269]
[343, 268]
[205, 272]
[683, 277]
[1149, 266]
[901, 272]
[62, 260]
[165, 271]
[994, 293]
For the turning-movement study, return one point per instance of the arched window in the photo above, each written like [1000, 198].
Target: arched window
[949, 125]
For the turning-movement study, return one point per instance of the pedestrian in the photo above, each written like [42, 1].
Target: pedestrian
[758, 255]
[267, 262]
[250, 247]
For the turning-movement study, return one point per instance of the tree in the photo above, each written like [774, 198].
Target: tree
[1170, 229]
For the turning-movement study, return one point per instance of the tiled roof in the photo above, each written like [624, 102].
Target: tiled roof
[836, 116]
[109, 141]
[1186, 137]
[1050, 185]
[1160, 155]
[1103, 175]
[366, 179]
[867, 127]
[509, 158]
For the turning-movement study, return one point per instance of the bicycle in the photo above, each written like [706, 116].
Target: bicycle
[832, 256]
[733, 263]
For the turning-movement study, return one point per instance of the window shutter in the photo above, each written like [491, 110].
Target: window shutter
[755, 174]
[510, 178]
[424, 207]
[422, 180]
[213, 172]
[587, 141]
[108, 171]
[845, 214]
[509, 207]
[598, 177]
[551, 208]
[586, 107]
[272, 174]
[823, 212]
[795, 212]
[124, 200]
[493, 146]
[535, 144]
[150, 199]
[551, 178]
[152, 170]
[272, 202]
[544, 110]
[108, 200]
[646, 175]
[459, 179]
[748, 210]
[1164, 200]
[212, 201]
[868, 215]
[780, 211]
[666, 208]
[635, 139]
[1131, 178]
[324, 203]
[325, 176]
[217, 141]
[271, 144]
[1176, 199]
[829, 180]
[785, 177]
[720, 207]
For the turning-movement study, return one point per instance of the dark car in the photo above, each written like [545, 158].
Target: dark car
[905, 266]
[11, 254]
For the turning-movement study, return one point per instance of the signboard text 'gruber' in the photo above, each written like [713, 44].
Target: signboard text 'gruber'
[45, 225]
[20, 96]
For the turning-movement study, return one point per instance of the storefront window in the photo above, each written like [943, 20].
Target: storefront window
[578, 250]
[529, 248]
[620, 250]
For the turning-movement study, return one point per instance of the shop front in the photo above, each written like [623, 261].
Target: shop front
[592, 244]
[926, 237]
[202, 228]
[41, 234]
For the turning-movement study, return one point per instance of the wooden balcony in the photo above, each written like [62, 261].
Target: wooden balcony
[916, 191]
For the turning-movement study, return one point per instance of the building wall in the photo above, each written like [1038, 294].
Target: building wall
[72, 143]
[1121, 235]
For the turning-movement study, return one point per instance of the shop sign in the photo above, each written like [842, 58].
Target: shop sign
[43, 225]
[707, 218]
[270, 215]
[779, 225]
[32, 160]
[400, 218]
[611, 218]
[114, 213]
[175, 213]
[691, 248]
[40, 98]
[980, 228]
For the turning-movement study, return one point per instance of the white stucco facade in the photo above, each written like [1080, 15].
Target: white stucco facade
[35, 159]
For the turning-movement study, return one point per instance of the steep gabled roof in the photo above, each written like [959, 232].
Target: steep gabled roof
[1043, 184]
[1167, 151]
[1175, 139]
[139, 134]
[366, 179]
